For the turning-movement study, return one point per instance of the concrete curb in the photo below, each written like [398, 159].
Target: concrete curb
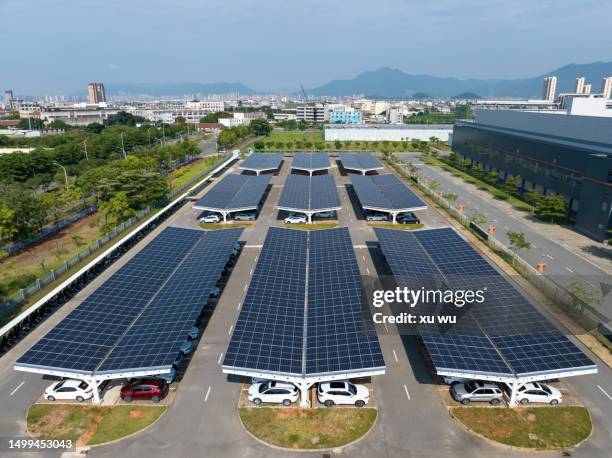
[514, 447]
[310, 450]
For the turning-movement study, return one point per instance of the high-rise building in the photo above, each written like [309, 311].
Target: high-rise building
[96, 93]
[587, 89]
[580, 85]
[8, 99]
[606, 87]
[550, 88]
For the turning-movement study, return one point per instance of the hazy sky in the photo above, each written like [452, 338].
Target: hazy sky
[57, 46]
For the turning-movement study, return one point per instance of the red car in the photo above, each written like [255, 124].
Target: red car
[153, 389]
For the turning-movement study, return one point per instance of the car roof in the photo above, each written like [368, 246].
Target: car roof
[148, 381]
[70, 383]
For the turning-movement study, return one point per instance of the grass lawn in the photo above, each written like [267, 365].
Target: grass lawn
[87, 425]
[313, 136]
[399, 227]
[308, 428]
[311, 227]
[181, 176]
[537, 427]
[215, 226]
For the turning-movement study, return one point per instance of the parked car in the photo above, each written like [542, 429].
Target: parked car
[186, 347]
[215, 291]
[407, 218]
[273, 392]
[168, 378]
[77, 390]
[295, 219]
[180, 358]
[194, 333]
[454, 380]
[149, 388]
[245, 216]
[329, 214]
[210, 219]
[539, 392]
[477, 391]
[342, 393]
[376, 217]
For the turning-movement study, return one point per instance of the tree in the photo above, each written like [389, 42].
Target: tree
[77, 240]
[52, 204]
[260, 127]
[551, 207]
[478, 218]
[582, 295]
[477, 171]
[180, 120]
[8, 230]
[433, 185]
[94, 128]
[533, 198]
[450, 196]
[58, 124]
[517, 243]
[115, 211]
[511, 183]
[491, 178]
[214, 117]
[338, 144]
[123, 118]
[36, 124]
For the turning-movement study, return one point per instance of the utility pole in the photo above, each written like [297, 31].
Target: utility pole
[163, 133]
[85, 144]
[65, 173]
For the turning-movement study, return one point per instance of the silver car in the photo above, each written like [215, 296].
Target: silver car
[477, 391]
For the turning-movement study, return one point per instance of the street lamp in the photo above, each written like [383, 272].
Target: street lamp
[65, 173]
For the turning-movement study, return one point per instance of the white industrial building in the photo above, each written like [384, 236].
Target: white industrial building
[394, 133]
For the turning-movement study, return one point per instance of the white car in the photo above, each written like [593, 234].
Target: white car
[273, 392]
[295, 219]
[250, 216]
[342, 393]
[210, 219]
[538, 392]
[454, 380]
[69, 389]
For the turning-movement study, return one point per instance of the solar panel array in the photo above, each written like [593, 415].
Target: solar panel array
[385, 192]
[503, 335]
[309, 193]
[139, 316]
[282, 330]
[262, 161]
[310, 161]
[235, 192]
[359, 161]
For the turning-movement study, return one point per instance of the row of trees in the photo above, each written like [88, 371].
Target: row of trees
[414, 145]
[234, 135]
[550, 207]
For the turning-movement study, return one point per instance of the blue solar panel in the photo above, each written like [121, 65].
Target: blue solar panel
[504, 335]
[310, 161]
[340, 335]
[385, 192]
[359, 161]
[269, 334]
[262, 161]
[92, 331]
[306, 193]
[235, 192]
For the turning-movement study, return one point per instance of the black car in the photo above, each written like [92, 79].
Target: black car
[408, 218]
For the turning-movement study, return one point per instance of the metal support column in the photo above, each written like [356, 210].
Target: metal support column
[394, 215]
[96, 394]
[513, 393]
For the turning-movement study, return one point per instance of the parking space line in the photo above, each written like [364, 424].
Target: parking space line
[368, 271]
[220, 358]
[251, 273]
[592, 284]
[239, 304]
[246, 286]
[605, 392]
[207, 394]
[386, 328]
[550, 257]
[569, 270]
[407, 393]
[17, 388]
[231, 329]
[395, 356]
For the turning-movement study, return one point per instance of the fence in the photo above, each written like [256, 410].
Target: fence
[18, 299]
[581, 312]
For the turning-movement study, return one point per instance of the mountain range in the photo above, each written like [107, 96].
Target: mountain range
[393, 83]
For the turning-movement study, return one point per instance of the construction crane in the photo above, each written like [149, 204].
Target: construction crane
[304, 92]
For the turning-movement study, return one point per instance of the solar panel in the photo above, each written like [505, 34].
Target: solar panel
[235, 192]
[505, 334]
[310, 161]
[340, 334]
[282, 330]
[88, 335]
[262, 161]
[309, 193]
[270, 329]
[385, 192]
[359, 161]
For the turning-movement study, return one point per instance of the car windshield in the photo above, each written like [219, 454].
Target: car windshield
[352, 389]
[470, 387]
[59, 385]
[263, 387]
[546, 389]
[83, 385]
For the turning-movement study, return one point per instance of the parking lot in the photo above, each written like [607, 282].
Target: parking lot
[411, 401]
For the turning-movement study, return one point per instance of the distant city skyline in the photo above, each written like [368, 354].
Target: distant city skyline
[271, 46]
